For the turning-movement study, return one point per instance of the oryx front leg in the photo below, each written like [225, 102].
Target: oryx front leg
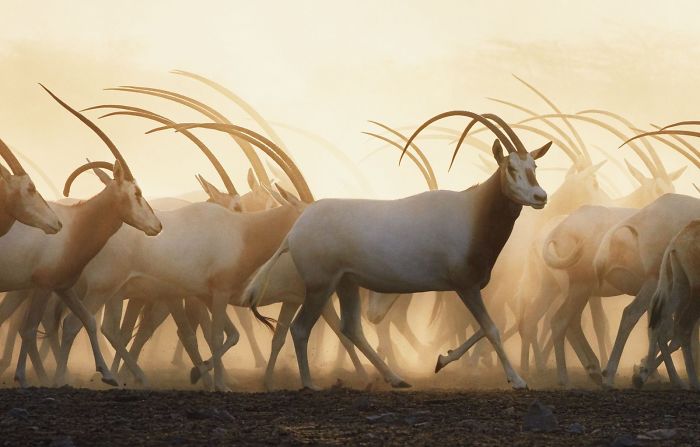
[28, 331]
[333, 321]
[351, 323]
[472, 299]
[189, 339]
[456, 354]
[630, 317]
[218, 317]
[76, 306]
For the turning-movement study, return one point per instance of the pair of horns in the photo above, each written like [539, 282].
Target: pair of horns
[90, 165]
[512, 144]
[11, 160]
[112, 147]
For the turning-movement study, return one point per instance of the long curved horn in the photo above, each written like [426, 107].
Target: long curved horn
[475, 117]
[11, 160]
[645, 159]
[670, 132]
[551, 124]
[98, 131]
[44, 176]
[430, 181]
[554, 107]
[512, 135]
[86, 167]
[261, 142]
[240, 102]
[419, 152]
[143, 113]
[210, 113]
[681, 140]
[661, 169]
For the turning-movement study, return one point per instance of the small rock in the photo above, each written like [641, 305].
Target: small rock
[659, 435]
[361, 403]
[539, 417]
[384, 417]
[626, 441]
[575, 428]
[19, 413]
[218, 431]
[49, 401]
[510, 411]
[63, 441]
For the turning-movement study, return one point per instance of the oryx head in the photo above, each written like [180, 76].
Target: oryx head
[580, 187]
[130, 205]
[21, 199]
[516, 169]
[651, 188]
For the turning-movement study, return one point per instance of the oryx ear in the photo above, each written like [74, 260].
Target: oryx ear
[538, 153]
[252, 181]
[635, 173]
[677, 174]
[117, 171]
[497, 151]
[5, 173]
[210, 189]
[275, 195]
[290, 198]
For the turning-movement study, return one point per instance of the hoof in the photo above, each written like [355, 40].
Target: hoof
[110, 381]
[637, 381]
[520, 386]
[441, 363]
[311, 388]
[401, 384]
[195, 375]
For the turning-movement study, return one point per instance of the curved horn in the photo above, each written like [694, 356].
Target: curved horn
[647, 162]
[426, 175]
[143, 113]
[261, 142]
[661, 169]
[86, 167]
[475, 117]
[571, 146]
[210, 113]
[513, 137]
[240, 102]
[11, 160]
[98, 131]
[419, 152]
[554, 107]
[671, 132]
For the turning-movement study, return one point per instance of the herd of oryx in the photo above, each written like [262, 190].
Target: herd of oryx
[539, 259]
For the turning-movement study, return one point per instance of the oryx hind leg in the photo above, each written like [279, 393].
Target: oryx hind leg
[88, 320]
[284, 320]
[189, 339]
[351, 324]
[333, 321]
[247, 326]
[28, 332]
[472, 299]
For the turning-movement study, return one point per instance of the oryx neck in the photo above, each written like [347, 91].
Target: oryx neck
[6, 218]
[490, 199]
[94, 222]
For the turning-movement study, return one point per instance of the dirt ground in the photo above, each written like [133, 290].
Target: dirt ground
[342, 415]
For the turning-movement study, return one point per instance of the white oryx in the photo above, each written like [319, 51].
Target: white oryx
[34, 260]
[675, 307]
[19, 199]
[438, 240]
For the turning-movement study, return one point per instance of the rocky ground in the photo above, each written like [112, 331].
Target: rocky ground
[85, 417]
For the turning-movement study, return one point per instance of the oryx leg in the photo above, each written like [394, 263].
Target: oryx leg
[52, 322]
[568, 313]
[12, 332]
[247, 326]
[153, 315]
[399, 318]
[284, 320]
[528, 328]
[471, 297]
[456, 354]
[189, 339]
[630, 317]
[80, 311]
[111, 330]
[351, 323]
[37, 306]
[601, 326]
[113, 313]
[232, 338]
[219, 303]
[335, 324]
[316, 299]
[583, 349]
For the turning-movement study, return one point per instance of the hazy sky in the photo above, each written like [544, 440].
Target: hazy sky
[328, 67]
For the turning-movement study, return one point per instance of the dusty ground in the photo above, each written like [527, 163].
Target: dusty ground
[72, 416]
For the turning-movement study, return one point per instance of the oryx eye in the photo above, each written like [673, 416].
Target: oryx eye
[137, 193]
[511, 170]
[31, 189]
